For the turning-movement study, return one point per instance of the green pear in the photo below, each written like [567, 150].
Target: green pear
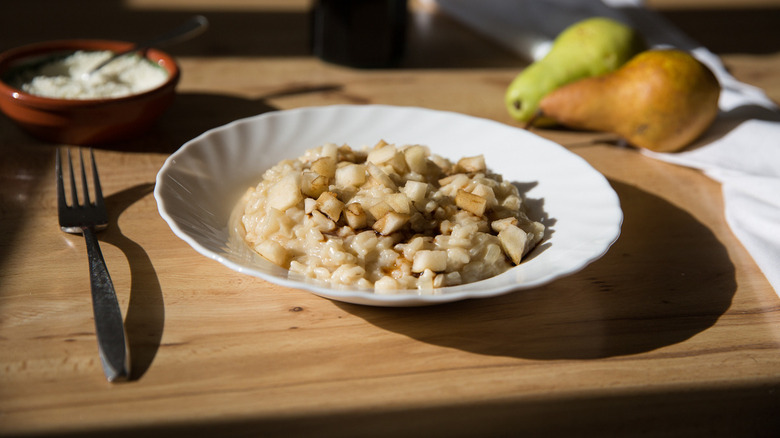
[660, 100]
[588, 48]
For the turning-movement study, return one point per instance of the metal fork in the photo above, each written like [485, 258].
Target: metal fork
[87, 218]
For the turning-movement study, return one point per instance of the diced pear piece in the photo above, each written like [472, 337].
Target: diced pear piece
[513, 241]
[435, 260]
[472, 164]
[425, 280]
[325, 166]
[356, 217]
[379, 209]
[273, 252]
[381, 154]
[486, 192]
[329, 203]
[500, 224]
[309, 204]
[285, 193]
[458, 180]
[458, 257]
[448, 179]
[351, 175]
[536, 234]
[399, 163]
[512, 202]
[330, 150]
[390, 223]
[399, 202]
[271, 223]
[471, 202]
[442, 163]
[416, 159]
[313, 184]
[380, 176]
[416, 190]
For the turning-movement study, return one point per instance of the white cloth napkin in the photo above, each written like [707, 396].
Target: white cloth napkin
[742, 148]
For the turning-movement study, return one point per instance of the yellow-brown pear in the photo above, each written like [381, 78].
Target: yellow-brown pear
[660, 100]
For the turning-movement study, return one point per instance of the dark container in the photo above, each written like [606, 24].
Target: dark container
[359, 33]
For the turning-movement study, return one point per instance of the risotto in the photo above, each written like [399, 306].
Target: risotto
[388, 218]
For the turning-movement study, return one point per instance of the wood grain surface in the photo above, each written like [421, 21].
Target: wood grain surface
[674, 332]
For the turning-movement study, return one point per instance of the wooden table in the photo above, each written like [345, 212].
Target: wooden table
[674, 332]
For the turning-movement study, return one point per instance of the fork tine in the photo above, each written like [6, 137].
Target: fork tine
[73, 192]
[61, 202]
[96, 180]
[84, 185]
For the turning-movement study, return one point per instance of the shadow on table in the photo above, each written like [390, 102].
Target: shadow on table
[191, 115]
[195, 113]
[666, 279]
[745, 411]
[145, 318]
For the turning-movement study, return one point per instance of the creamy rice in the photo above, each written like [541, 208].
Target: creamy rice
[65, 78]
[388, 218]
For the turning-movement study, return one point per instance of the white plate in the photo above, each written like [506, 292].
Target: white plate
[200, 184]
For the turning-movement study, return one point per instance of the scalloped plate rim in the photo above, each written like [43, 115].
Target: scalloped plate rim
[611, 230]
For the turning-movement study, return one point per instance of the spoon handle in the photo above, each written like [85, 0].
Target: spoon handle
[193, 27]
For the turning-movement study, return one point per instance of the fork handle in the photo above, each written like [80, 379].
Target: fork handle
[112, 341]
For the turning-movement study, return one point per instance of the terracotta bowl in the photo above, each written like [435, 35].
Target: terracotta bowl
[83, 122]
